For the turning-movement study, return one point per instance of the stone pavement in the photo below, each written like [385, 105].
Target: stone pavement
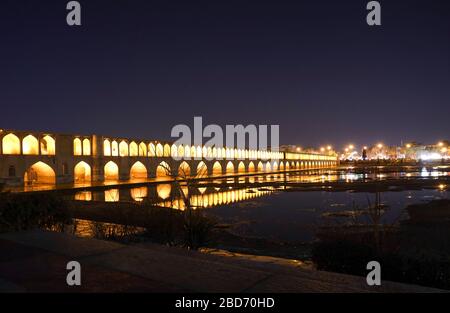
[35, 261]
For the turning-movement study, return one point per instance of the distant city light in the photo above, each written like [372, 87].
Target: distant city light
[380, 146]
[440, 144]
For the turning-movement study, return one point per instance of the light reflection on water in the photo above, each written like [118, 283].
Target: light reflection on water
[290, 216]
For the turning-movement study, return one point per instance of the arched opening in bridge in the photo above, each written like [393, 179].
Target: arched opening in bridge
[30, 145]
[260, 166]
[134, 149]
[111, 171]
[173, 151]
[40, 173]
[241, 168]
[184, 170]
[11, 144]
[297, 165]
[48, 146]
[123, 149]
[159, 150]
[142, 149]
[115, 148]
[202, 169]
[138, 171]
[151, 150]
[106, 148]
[268, 167]
[251, 167]
[82, 172]
[275, 166]
[287, 166]
[187, 151]
[166, 150]
[217, 169]
[86, 146]
[163, 170]
[77, 148]
[281, 166]
[180, 151]
[229, 168]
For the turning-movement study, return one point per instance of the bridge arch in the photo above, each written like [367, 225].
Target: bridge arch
[134, 150]
[275, 166]
[184, 170]
[39, 173]
[82, 172]
[77, 147]
[123, 148]
[166, 150]
[30, 145]
[159, 150]
[151, 150]
[241, 167]
[11, 144]
[106, 147]
[142, 149]
[86, 146]
[251, 167]
[138, 171]
[114, 148]
[217, 168]
[163, 170]
[48, 145]
[230, 168]
[202, 169]
[111, 171]
[260, 166]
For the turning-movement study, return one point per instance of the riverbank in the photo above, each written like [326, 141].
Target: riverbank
[36, 262]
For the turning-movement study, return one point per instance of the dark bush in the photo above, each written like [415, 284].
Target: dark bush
[27, 211]
[197, 229]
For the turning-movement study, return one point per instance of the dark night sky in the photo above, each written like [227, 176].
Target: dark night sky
[136, 68]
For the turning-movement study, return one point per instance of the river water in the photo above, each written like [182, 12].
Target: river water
[273, 211]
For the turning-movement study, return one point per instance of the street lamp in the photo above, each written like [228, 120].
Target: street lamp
[380, 146]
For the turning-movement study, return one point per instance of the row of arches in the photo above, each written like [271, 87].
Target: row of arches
[29, 145]
[40, 172]
[123, 149]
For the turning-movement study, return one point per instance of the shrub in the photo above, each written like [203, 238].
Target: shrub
[27, 211]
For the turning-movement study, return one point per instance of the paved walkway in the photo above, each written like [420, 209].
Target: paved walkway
[35, 261]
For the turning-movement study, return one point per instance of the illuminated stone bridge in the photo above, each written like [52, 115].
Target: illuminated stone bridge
[31, 158]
